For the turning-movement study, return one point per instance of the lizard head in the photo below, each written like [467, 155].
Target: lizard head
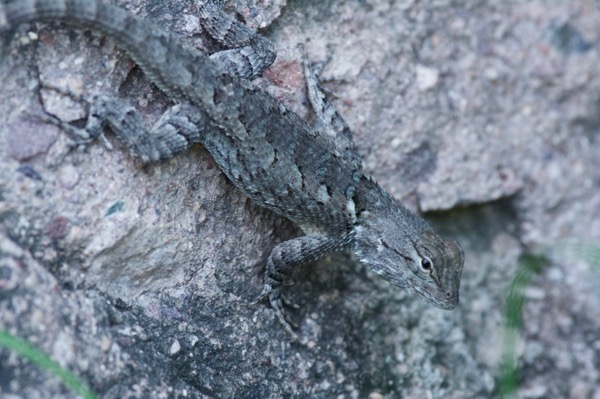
[401, 247]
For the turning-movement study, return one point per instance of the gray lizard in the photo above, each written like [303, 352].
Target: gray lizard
[312, 177]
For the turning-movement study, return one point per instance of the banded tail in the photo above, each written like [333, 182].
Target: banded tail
[161, 56]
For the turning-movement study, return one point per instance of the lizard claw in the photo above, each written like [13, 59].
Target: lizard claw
[277, 302]
[289, 303]
[78, 136]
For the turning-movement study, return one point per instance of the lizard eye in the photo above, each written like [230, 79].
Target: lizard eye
[426, 264]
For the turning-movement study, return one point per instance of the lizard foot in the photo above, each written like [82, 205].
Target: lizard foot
[78, 136]
[277, 302]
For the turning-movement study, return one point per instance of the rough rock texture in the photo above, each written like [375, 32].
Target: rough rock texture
[141, 280]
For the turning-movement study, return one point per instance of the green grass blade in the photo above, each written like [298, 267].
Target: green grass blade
[35, 356]
[529, 265]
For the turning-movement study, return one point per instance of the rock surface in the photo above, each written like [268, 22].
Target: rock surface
[140, 280]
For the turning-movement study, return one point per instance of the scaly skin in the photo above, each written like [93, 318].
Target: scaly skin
[269, 153]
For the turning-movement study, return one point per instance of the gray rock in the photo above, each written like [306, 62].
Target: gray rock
[141, 280]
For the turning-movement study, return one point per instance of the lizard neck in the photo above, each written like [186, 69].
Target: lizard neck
[375, 206]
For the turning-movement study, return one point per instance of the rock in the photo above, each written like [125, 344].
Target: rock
[140, 280]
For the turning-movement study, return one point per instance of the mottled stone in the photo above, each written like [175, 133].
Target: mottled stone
[503, 144]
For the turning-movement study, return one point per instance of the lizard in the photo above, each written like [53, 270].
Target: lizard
[313, 177]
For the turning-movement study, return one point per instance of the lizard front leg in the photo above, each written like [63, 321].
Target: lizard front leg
[288, 255]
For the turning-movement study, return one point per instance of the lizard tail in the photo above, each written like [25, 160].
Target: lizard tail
[152, 48]
[90, 13]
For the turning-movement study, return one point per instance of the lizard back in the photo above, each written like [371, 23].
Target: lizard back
[267, 151]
